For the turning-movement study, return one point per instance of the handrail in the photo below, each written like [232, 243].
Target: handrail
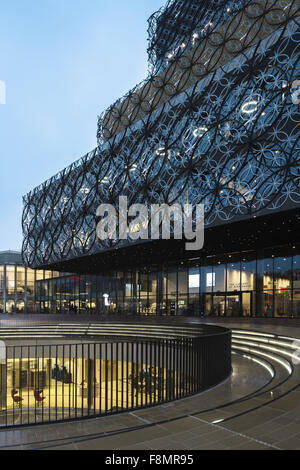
[44, 382]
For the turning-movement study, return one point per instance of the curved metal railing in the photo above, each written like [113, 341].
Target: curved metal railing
[129, 367]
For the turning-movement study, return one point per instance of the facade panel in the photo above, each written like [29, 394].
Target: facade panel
[216, 123]
[219, 126]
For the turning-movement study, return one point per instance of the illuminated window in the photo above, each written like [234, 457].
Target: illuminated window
[210, 279]
[194, 281]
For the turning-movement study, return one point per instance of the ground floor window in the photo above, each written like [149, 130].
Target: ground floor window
[263, 284]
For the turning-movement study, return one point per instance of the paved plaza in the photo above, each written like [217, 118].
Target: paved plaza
[247, 411]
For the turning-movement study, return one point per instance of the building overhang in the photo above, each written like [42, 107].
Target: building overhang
[272, 231]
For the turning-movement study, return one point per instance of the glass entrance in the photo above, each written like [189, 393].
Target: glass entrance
[218, 305]
[208, 305]
[233, 305]
[247, 304]
[230, 305]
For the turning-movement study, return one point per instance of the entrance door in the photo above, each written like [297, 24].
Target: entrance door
[247, 304]
[233, 305]
[219, 305]
[208, 304]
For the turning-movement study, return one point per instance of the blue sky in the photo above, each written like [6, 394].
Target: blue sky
[63, 62]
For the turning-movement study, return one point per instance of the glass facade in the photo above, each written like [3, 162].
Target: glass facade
[263, 284]
[17, 284]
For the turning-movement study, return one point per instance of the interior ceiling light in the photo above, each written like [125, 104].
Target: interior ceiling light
[250, 107]
[200, 131]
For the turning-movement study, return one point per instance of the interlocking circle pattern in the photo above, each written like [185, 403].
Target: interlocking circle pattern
[214, 123]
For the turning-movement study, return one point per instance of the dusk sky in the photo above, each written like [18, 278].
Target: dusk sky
[63, 63]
